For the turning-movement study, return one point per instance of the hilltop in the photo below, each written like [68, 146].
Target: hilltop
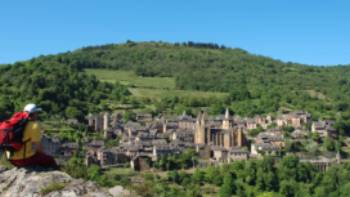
[251, 84]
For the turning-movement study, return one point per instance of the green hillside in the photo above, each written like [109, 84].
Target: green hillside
[130, 78]
[250, 84]
[61, 90]
[154, 88]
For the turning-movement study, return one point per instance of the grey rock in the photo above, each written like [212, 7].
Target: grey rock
[20, 182]
[119, 191]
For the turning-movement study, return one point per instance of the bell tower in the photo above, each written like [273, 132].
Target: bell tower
[200, 129]
[227, 123]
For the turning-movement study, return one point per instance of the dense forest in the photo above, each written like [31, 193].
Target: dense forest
[268, 177]
[256, 84]
[61, 90]
[264, 178]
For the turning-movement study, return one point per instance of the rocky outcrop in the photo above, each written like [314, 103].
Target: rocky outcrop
[20, 182]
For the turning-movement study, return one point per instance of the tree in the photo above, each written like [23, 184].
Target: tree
[238, 93]
[255, 132]
[198, 176]
[212, 175]
[6, 108]
[129, 116]
[174, 176]
[288, 188]
[287, 130]
[288, 167]
[76, 168]
[94, 172]
[73, 112]
[228, 187]
[329, 144]
[344, 190]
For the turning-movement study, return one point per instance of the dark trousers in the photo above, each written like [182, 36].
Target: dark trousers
[39, 159]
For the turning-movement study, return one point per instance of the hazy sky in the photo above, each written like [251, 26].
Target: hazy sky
[304, 31]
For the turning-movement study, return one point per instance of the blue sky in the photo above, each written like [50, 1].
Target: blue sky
[305, 31]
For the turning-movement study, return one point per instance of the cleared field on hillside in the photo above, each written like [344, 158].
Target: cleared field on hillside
[149, 87]
[131, 79]
[161, 93]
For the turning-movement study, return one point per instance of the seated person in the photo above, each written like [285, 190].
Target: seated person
[31, 153]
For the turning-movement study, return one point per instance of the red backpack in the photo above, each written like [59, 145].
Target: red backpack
[11, 131]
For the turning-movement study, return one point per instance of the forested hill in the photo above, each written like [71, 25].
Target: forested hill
[61, 90]
[256, 82]
[207, 66]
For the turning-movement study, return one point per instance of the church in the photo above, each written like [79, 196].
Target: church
[220, 132]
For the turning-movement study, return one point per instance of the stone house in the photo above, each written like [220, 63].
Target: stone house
[275, 138]
[170, 125]
[186, 122]
[141, 162]
[268, 143]
[296, 119]
[251, 124]
[144, 118]
[184, 136]
[99, 122]
[51, 145]
[262, 121]
[257, 150]
[107, 157]
[235, 154]
[298, 134]
[324, 128]
[162, 150]
[219, 154]
[68, 149]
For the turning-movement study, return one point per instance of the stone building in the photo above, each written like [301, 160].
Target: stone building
[235, 154]
[186, 122]
[144, 118]
[51, 145]
[295, 119]
[99, 122]
[324, 128]
[225, 135]
[268, 143]
[162, 150]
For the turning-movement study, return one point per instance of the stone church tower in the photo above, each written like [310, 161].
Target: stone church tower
[199, 135]
[227, 122]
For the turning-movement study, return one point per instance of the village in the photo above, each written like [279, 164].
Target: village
[215, 139]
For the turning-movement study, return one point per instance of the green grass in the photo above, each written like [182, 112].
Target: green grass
[120, 176]
[149, 87]
[120, 171]
[159, 93]
[131, 79]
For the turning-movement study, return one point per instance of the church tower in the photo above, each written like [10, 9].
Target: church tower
[227, 122]
[199, 137]
[239, 138]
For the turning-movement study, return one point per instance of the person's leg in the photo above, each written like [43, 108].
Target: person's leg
[20, 163]
[39, 159]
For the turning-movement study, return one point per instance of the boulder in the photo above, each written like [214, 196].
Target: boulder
[18, 182]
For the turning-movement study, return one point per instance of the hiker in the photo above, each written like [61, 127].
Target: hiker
[31, 153]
